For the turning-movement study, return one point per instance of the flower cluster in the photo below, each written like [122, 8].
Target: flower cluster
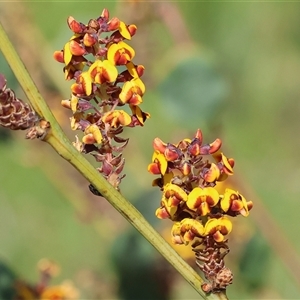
[100, 62]
[189, 172]
[43, 289]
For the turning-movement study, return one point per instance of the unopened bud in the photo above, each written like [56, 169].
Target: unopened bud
[89, 39]
[171, 153]
[113, 24]
[75, 26]
[132, 29]
[215, 146]
[159, 145]
[76, 48]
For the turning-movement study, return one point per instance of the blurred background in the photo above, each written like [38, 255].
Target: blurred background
[229, 68]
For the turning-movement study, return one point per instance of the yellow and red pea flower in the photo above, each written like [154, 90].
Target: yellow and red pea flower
[174, 195]
[212, 174]
[186, 230]
[132, 92]
[234, 203]
[83, 86]
[124, 31]
[166, 211]
[159, 164]
[120, 53]
[202, 200]
[218, 228]
[138, 116]
[103, 71]
[227, 163]
[116, 118]
[135, 71]
[92, 135]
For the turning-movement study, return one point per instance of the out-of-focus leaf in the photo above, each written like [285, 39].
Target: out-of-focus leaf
[141, 273]
[7, 282]
[193, 93]
[254, 263]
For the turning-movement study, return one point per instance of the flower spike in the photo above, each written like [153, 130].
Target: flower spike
[105, 77]
[189, 173]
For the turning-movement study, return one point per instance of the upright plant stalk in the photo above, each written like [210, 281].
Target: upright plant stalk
[61, 144]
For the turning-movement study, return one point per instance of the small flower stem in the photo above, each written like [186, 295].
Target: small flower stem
[61, 144]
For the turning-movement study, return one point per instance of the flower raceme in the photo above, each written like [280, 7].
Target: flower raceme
[189, 172]
[99, 60]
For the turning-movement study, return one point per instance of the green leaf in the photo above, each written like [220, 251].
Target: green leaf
[193, 93]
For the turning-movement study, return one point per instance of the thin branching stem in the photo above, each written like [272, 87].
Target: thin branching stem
[61, 144]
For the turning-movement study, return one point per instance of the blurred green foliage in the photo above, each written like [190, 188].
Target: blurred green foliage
[242, 84]
[196, 88]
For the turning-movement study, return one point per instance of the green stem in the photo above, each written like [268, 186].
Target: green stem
[57, 139]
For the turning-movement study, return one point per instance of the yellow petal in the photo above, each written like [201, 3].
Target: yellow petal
[194, 225]
[111, 70]
[229, 169]
[211, 226]
[124, 31]
[67, 53]
[226, 200]
[86, 81]
[126, 92]
[74, 102]
[132, 70]
[173, 189]
[128, 48]
[116, 118]
[212, 174]
[137, 82]
[199, 195]
[162, 162]
[226, 225]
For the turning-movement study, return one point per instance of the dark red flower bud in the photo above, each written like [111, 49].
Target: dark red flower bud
[76, 27]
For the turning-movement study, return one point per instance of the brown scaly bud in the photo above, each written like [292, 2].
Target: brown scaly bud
[39, 130]
[14, 113]
[223, 278]
[93, 24]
